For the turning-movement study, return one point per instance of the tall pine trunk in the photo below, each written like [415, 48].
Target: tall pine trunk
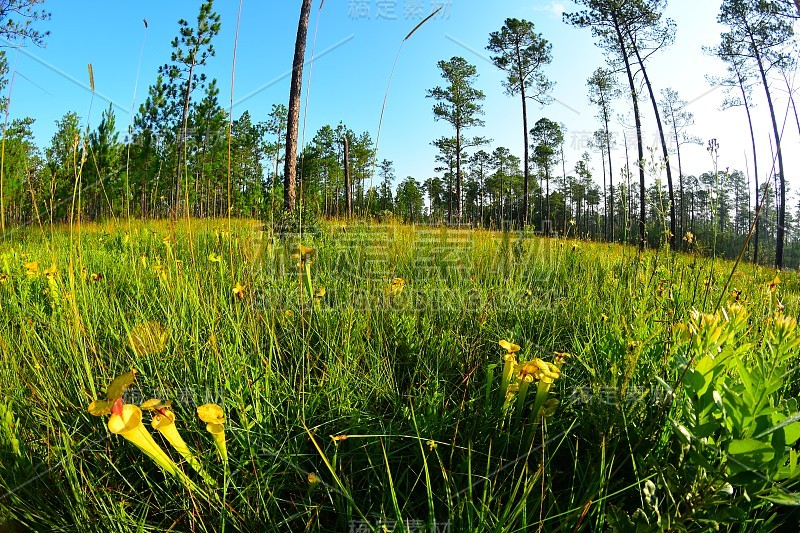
[348, 187]
[293, 119]
[183, 164]
[672, 228]
[564, 184]
[780, 237]
[755, 158]
[458, 175]
[605, 196]
[526, 169]
[609, 212]
[610, 179]
[681, 216]
[639, 144]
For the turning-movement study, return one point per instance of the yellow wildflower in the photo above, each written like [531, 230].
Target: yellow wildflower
[160, 271]
[211, 413]
[126, 420]
[510, 347]
[114, 394]
[560, 358]
[238, 291]
[510, 363]
[783, 328]
[304, 253]
[32, 269]
[773, 285]
[396, 286]
[51, 272]
[542, 370]
[525, 380]
[214, 418]
[164, 423]
[153, 404]
[128, 424]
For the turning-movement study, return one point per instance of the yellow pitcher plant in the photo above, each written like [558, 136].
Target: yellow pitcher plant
[214, 418]
[164, 422]
[510, 363]
[126, 421]
[518, 378]
[304, 255]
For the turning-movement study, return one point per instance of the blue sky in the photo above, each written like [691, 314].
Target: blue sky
[356, 42]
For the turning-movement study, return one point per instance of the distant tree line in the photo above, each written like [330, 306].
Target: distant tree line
[186, 156]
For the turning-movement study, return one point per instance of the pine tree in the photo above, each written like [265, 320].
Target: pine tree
[521, 53]
[458, 105]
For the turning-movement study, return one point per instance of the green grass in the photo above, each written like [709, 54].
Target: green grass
[408, 379]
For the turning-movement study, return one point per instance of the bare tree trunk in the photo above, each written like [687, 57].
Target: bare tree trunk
[541, 203]
[182, 145]
[275, 176]
[610, 175]
[564, 184]
[640, 146]
[780, 237]
[672, 228]
[450, 194]
[348, 187]
[681, 216]
[526, 170]
[547, 180]
[458, 175]
[293, 119]
[605, 198]
[755, 159]
[627, 206]
[481, 192]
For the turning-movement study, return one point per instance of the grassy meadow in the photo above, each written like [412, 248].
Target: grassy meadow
[364, 385]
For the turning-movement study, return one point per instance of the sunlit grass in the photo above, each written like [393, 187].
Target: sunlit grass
[362, 383]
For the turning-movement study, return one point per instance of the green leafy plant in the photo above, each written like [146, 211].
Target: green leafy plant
[8, 424]
[736, 429]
